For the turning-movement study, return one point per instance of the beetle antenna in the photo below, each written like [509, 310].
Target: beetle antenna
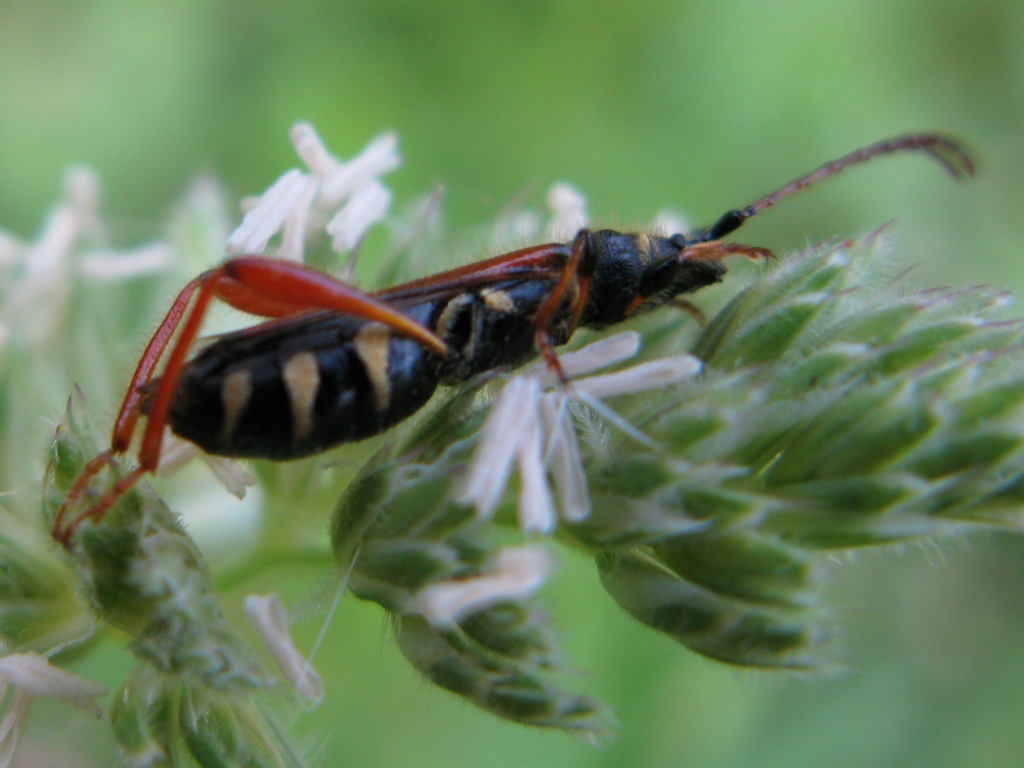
[948, 153]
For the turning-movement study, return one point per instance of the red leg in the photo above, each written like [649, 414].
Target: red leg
[546, 313]
[294, 288]
[128, 416]
[271, 288]
[124, 425]
[256, 285]
[91, 469]
[62, 533]
[261, 287]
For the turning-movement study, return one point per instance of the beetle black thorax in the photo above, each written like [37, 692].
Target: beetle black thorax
[636, 272]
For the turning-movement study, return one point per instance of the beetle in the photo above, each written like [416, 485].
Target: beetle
[333, 364]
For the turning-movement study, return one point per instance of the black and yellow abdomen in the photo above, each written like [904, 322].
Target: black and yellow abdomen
[289, 389]
[299, 387]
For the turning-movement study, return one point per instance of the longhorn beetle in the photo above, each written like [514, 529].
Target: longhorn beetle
[333, 364]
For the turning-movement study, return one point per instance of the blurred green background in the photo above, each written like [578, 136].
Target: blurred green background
[699, 106]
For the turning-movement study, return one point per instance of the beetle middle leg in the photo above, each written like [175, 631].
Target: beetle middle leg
[578, 272]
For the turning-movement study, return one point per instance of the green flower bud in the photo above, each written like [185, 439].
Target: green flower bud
[835, 410]
[161, 719]
[711, 623]
[143, 574]
[497, 681]
[40, 607]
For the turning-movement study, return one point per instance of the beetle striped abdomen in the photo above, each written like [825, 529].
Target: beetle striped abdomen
[299, 387]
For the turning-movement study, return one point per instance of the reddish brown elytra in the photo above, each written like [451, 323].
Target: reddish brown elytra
[333, 364]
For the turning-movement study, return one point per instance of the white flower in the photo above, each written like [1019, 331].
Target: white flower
[364, 208]
[340, 181]
[39, 283]
[568, 212]
[269, 618]
[347, 195]
[668, 222]
[32, 675]
[122, 265]
[516, 574]
[267, 214]
[38, 297]
[297, 224]
[529, 426]
[175, 453]
[516, 226]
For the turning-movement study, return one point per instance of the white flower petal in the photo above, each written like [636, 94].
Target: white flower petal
[38, 296]
[40, 300]
[669, 223]
[34, 674]
[654, 374]
[13, 725]
[535, 429]
[264, 220]
[568, 212]
[269, 618]
[176, 453]
[293, 236]
[82, 189]
[379, 157]
[518, 573]
[516, 227]
[364, 208]
[536, 508]
[613, 418]
[499, 441]
[121, 265]
[565, 462]
[231, 473]
[593, 357]
[46, 258]
[313, 152]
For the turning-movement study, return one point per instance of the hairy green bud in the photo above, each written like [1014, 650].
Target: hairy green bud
[835, 410]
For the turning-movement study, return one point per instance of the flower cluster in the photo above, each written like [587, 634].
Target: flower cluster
[38, 275]
[348, 194]
[30, 675]
[529, 423]
[41, 614]
[824, 408]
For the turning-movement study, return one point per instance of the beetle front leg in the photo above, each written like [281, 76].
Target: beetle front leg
[579, 270]
[715, 250]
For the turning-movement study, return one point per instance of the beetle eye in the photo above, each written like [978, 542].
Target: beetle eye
[680, 241]
[657, 277]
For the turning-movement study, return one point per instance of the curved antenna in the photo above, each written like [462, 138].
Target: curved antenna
[948, 153]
